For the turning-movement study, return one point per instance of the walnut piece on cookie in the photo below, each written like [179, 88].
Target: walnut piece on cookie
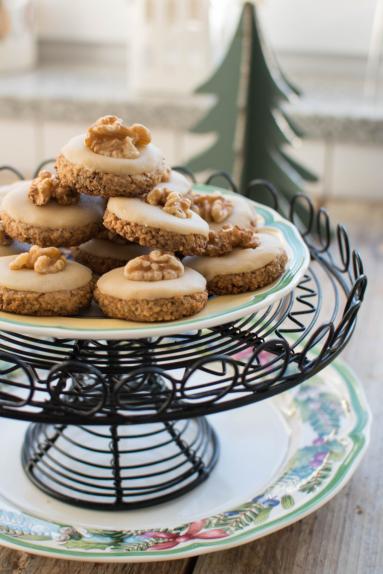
[171, 202]
[43, 260]
[230, 237]
[46, 186]
[155, 266]
[212, 207]
[232, 221]
[109, 136]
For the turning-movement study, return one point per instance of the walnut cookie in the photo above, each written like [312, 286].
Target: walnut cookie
[243, 270]
[231, 218]
[42, 282]
[45, 213]
[111, 160]
[150, 288]
[103, 255]
[163, 220]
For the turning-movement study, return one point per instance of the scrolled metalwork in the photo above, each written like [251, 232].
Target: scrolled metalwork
[199, 372]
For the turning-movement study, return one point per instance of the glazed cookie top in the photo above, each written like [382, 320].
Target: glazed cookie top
[19, 207]
[176, 182]
[109, 249]
[72, 276]
[133, 210]
[150, 159]
[116, 284]
[4, 189]
[239, 260]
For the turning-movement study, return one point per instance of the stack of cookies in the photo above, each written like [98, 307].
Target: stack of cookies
[145, 245]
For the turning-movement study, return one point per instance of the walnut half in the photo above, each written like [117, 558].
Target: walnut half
[46, 186]
[156, 266]
[43, 260]
[170, 201]
[232, 236]
[213, 208]
[109, 136]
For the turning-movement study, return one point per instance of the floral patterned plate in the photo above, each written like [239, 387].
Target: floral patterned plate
[312, 440]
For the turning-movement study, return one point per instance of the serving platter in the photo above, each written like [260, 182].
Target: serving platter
[282, 460]
[219, 310]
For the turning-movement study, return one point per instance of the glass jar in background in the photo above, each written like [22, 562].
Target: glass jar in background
[17, 35]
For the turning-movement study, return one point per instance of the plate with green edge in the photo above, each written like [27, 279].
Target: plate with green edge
[281, 460]
[219, 310]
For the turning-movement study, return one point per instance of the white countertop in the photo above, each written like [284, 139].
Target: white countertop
[333, 105]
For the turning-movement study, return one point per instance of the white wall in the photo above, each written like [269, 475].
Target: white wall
[82, 20]
[324, 26]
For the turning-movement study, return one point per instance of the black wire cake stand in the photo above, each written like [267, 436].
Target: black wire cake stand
[121, 424]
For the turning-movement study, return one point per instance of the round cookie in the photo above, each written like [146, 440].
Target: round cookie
[151, 300]
[50, 224]
[98, 164]
[163, 220]
[102, 255]
[232, 221]
[27, 292]
[243, 270]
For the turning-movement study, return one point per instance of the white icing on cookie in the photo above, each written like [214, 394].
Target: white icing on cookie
[77, 152]
[110, 250]
[243, 214]
[19, 207]
[4, 189]
[177, 182]
[133, 210]
[72, 276]
[239, 260]
[117, 285]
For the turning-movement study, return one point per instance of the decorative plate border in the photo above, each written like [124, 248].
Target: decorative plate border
[315, 471]
[81, 328]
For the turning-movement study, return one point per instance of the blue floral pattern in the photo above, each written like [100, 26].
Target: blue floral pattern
[327, 439]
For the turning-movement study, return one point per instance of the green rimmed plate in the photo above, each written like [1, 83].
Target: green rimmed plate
[281, 460]
[218, 311]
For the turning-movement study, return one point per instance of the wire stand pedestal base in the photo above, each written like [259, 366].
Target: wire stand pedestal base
[118, 424]
[120, 467]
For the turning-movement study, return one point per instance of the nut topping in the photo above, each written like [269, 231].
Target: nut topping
[43, 260]
[156, 266]
[5, 240]
[109, 136]
[170, 201]
[234, 235]
[46, 186]
[213, 208]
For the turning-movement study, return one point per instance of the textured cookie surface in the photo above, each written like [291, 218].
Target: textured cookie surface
[188, 244]
[151, 310]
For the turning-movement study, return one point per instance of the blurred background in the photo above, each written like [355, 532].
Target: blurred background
[63, 63]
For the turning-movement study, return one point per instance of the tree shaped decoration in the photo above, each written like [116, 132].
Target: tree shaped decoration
[251, 126]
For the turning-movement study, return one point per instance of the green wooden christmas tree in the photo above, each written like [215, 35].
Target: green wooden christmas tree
[252, 128]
